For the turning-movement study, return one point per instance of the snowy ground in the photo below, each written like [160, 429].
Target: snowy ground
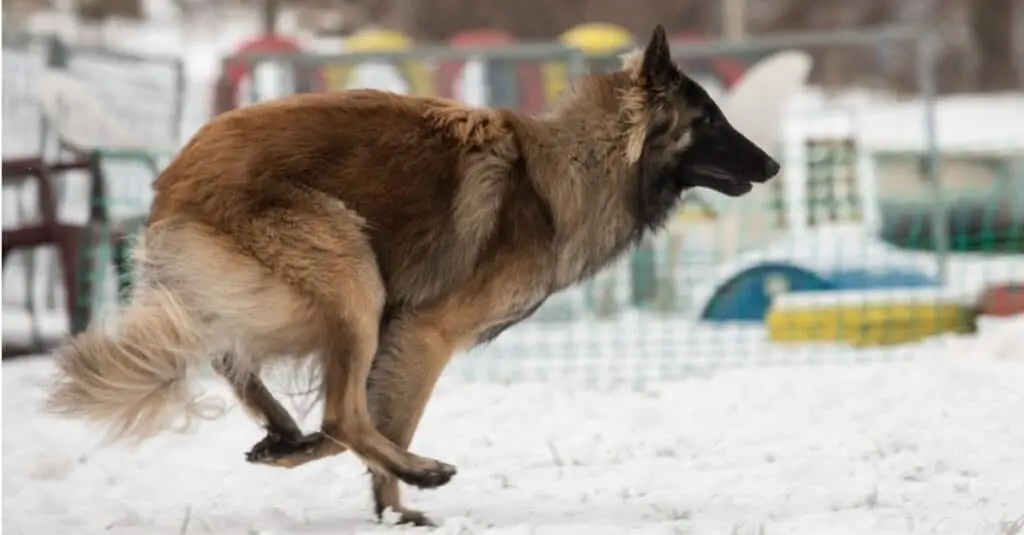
[933, 445]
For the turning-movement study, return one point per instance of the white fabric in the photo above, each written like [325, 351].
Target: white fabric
[83, 121]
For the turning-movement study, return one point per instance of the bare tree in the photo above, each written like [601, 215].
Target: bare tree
[991, 27]
[269, 10]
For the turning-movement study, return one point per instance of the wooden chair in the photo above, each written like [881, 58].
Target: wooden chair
[67, 238]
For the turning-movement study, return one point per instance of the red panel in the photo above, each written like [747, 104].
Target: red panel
[238, 71]
[727, 70]
[1006, 300]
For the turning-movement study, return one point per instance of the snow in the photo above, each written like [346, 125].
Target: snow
[931, 445]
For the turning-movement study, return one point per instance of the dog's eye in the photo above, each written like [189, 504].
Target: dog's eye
[706, 120]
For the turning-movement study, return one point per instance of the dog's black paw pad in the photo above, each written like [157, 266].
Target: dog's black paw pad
[274, 447]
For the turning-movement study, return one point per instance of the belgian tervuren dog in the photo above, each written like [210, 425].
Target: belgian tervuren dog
[382, 233]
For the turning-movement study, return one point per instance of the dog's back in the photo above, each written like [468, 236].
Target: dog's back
[331, 142]
[426, 174]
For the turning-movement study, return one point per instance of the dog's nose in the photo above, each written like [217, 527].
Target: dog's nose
[771, 168]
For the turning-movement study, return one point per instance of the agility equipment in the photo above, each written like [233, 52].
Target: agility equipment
[869, 318]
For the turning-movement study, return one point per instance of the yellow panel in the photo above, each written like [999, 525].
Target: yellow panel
[597, 38]
[376, 41]
[868, 325]
[336, 78]
[591, 38]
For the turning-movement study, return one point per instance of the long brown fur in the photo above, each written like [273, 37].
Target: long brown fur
[383, 234]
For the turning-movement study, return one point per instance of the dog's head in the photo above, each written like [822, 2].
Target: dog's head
[679, 137]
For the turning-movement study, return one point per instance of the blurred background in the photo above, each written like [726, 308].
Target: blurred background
[898, 220]
[979, 49]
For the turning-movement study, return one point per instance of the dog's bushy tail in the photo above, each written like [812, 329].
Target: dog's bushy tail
[133, 380]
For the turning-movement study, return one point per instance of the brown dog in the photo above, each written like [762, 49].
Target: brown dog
[382, 234]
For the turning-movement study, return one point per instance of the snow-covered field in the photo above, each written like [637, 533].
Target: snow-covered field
[933, 445]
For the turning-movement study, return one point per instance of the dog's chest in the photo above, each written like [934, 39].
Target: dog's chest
[504, 319]
[514, 289]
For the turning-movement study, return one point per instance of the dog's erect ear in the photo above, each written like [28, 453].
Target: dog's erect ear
[658, 71]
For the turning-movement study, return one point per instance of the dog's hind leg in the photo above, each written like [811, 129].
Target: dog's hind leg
[283, 434]
[347, 422]
[317, 246]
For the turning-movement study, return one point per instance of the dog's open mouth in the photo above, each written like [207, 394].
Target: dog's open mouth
[722, 181]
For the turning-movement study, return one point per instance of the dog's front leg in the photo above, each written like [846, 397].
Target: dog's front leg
[412, 354]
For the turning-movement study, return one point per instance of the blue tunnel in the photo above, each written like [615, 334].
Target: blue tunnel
[746, 297]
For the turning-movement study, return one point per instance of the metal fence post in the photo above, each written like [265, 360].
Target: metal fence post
[576, 65]
[925, 48]
[56, 52]
[177, 117]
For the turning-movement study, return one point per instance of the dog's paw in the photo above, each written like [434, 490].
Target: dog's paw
[431, 474]
[399, 515]
[283, 451]
[415, 518]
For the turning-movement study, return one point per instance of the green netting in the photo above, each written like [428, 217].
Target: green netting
[988, 219]
[122, 196]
